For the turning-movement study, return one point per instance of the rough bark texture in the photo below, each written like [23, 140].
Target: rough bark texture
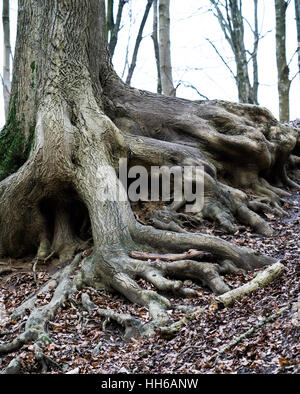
[84, 120]
[282, 66]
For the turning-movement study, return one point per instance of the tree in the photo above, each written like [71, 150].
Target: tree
[60, 164]
[6, 55]
[113, 27]
[297, 13]
[165, 48]
[138, 41]
[284, 83]
[231, 20]
[156, 45]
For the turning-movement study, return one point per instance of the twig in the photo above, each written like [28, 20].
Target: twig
[249, 332]
[190, 254]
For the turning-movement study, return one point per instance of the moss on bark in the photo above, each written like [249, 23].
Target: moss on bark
[14, 146]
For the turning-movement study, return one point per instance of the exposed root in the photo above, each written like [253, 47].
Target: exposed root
[241, 257]
[13, 367]
[35, 326]
[43, 359]
[133, 327]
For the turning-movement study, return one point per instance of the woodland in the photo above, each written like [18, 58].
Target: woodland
[94, 285]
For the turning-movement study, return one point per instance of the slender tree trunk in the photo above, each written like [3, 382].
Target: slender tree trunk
[109, 19]
[138, 42]
[297, 12]
[165, 48]
[282, 66]
[254, 56]
[114, 31]
[231, 22]
[237, 34]
[156, 45]
[6, 55]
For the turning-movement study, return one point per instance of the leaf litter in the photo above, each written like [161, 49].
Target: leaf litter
[85, 344]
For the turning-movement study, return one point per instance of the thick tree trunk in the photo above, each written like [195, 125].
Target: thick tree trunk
[6, 55]
[282, 66]
[84, 119]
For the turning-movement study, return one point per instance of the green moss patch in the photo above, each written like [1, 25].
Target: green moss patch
[14, 147]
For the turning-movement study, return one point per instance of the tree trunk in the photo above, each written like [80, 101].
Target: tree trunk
[138, 42]
[254, 55]
[79, 121]
[282, 66]
[6, 55]
[115, 26]
[231, 22]
[165, 48]
[156, 45]
[297, 12]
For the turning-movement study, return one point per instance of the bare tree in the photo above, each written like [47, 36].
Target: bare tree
[231, 20]
[113, 27]
[6, 55]
[283, 81]
[138, 42]
[165, 48]
[297, 13]
[156, 44]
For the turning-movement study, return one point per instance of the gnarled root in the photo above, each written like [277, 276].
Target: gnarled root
[35, 326]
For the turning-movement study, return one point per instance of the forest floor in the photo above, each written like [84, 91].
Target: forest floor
[81, 344]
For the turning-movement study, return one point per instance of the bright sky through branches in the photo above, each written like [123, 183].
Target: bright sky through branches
[194, 60]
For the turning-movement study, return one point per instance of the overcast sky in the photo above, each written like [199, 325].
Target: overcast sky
[194, 60]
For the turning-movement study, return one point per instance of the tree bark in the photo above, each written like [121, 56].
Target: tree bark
[6, 55]
[84, 120]
[282, 66]
[165, 48]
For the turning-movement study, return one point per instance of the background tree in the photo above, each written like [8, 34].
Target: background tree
[59, 167]
[6, 55]
[283, 83]
[297, 13]
[156, 44]
[231, 20]
[138, 42]
[165, 48]
[113, 27]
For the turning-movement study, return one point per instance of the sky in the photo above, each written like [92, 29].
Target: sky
[194, 61]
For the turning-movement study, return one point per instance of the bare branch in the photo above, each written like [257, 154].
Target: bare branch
[221, 57]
